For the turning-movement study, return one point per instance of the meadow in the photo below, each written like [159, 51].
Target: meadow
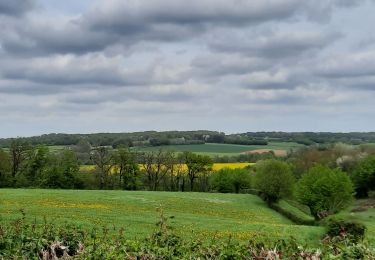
[191, 215]
[212, 149]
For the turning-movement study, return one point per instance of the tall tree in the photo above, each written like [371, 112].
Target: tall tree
[324, 190]
[103, 160]
[35, 165]
[274, 179]
[156, 165]
[126, 167]
[4, 168]
[61, 171]
[18, 151]
[196, 165]
[364, 177]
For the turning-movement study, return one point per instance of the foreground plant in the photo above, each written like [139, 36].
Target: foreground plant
[19, 240]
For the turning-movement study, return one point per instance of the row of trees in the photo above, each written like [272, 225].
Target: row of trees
[148, 138]
[28, 166]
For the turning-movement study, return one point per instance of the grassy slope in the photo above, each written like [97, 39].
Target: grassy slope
[223, 149]
[205, 215]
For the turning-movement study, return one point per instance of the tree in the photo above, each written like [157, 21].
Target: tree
[324, 190]
[303, 159]
[156, 165]
[364, 177]
[274, 179]
[61, 171]
[196, 165]
[36, 163]
[19, 149]
[126, 167]
[83, 150]
[231, 180]
[5, 168]
[104, 163]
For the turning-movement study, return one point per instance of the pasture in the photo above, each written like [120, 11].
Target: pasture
[191, 215]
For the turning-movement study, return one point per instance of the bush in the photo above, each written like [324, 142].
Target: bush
[364, 177]
[274, 179]
[353, 231]
[324, 190]
[231, 180]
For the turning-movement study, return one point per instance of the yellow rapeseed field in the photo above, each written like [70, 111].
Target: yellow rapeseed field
[216, 166]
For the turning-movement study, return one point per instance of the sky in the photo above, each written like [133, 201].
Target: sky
[85, 66]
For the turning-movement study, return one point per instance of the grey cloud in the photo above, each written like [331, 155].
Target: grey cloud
[219, 65]
[128, 15]
[275, 44]
[15, 7]
[44, 37]
[96, 70]
[183, 63]
[155, 93]
[270, 80]
[129, 22]
[349, 65]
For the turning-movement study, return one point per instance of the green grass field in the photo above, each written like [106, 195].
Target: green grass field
[191, 215]
[223, 149]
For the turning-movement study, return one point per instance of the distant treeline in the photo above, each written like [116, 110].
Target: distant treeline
[153, 138]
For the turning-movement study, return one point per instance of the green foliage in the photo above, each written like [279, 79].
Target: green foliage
[35, 165]
[364, 177]
[274, 179]
[127, 168]
[61, 172]
[231, 180]
[5, 167]
[197, 166]
[324, 190]
[342, 229]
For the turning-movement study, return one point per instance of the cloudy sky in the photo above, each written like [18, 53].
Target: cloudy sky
[230, 65]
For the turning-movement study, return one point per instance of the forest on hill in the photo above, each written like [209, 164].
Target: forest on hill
[154, 138]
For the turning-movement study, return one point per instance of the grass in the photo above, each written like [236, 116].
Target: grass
[192, 215]
[223, 149]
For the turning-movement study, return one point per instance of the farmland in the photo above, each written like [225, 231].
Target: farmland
[223, 149]
[201, 215]
[215, 166]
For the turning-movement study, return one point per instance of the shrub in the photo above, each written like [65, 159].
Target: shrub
[19, 240]
[274, 179]
[231, 180]
[324, 190]
[364, 177]
[353, 231]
